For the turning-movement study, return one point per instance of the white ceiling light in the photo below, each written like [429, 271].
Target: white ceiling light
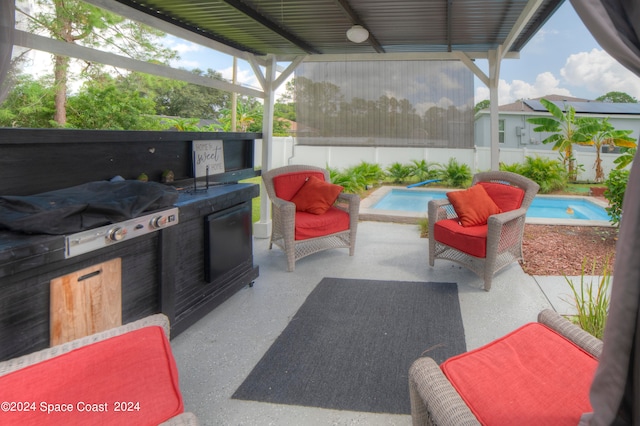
[357, 34]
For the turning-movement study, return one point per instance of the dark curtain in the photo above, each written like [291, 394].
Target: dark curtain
[615, 393]
[7, 24]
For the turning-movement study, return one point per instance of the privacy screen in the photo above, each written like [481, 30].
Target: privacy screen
[385, 103]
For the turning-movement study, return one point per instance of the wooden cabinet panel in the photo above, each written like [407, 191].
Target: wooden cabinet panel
[86, 301]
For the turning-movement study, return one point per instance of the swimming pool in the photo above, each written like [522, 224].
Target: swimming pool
[543, 206]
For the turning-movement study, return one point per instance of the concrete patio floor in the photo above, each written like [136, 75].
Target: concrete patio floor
[216, 354]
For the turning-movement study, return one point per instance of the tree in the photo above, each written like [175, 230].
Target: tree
[617, 97]
[103, 106]
[29, 104]
[247, 113]
[74, 21]
[566, 130]
[482, 105]
[285, 106]
[601, 133]
[179, 99]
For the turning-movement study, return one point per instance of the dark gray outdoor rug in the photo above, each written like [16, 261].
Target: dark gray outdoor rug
[351, 343]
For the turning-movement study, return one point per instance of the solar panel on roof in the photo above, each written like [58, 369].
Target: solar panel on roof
[589, 107]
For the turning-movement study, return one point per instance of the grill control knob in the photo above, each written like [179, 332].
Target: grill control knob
[117, 234]
[158, 222]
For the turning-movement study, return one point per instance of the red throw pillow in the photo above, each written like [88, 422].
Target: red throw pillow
[473, 205]
[316, 196]
[505, 196]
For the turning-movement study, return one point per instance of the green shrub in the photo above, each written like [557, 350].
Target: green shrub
[616, 186]
[455, 174]
[423, 224]
[352, 182]
[549, 174]
[513, 168]
[371, 173]
[399, 172]
[423, 170]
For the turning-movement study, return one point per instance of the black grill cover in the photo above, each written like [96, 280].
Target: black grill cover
[75, 209]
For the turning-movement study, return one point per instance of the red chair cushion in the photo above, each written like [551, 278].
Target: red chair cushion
[506, 197]
[316, 196]
[471, 239]
[310, 225]
[532, 376]
[287, 185]
[473, 206]
[134, 371]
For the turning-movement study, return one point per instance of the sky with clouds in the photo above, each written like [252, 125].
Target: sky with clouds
[562, 58]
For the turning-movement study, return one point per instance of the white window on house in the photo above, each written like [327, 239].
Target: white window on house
[501, 131]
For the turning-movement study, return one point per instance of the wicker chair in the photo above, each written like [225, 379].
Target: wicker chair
[503, 232]
[284, 218]
[44, 355]
[436, 401]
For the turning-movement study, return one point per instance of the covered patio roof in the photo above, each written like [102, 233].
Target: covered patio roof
[265, 32]
[287, 29]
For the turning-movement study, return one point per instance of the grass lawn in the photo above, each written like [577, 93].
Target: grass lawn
[255, 203]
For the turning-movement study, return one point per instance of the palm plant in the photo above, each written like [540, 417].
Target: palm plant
[246, 115]
[182, 124]
[547, 173]
[455, 174]
[371, 172]
[351, 182]
[513, 168]
[626, 157]
[601, 133]
[567, 130]
[399, 172]
[423, 170]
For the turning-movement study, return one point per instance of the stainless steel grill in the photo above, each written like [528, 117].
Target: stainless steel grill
[104, 236]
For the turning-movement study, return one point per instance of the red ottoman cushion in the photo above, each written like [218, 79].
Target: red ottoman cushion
[532, 376]
[134, 373]
[309, 225]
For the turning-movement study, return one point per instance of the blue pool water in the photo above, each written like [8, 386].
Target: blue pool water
[542, 207]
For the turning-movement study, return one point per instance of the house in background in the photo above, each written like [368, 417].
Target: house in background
[516, 132]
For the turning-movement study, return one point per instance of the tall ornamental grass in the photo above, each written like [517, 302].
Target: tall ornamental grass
[591, 299]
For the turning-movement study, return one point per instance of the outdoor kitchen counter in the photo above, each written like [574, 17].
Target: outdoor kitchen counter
[204, 201]
[174, 270]
[21, 252]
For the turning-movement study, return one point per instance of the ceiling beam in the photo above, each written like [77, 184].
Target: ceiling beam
[356, 20]
[168, 27]
[399, 56]
[473, 67]
[525, 17]
[270, 25]
[32, 41]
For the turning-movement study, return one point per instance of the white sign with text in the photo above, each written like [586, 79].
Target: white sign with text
[208, 157]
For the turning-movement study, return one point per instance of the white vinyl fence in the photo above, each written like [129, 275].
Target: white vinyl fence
[285, 151]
